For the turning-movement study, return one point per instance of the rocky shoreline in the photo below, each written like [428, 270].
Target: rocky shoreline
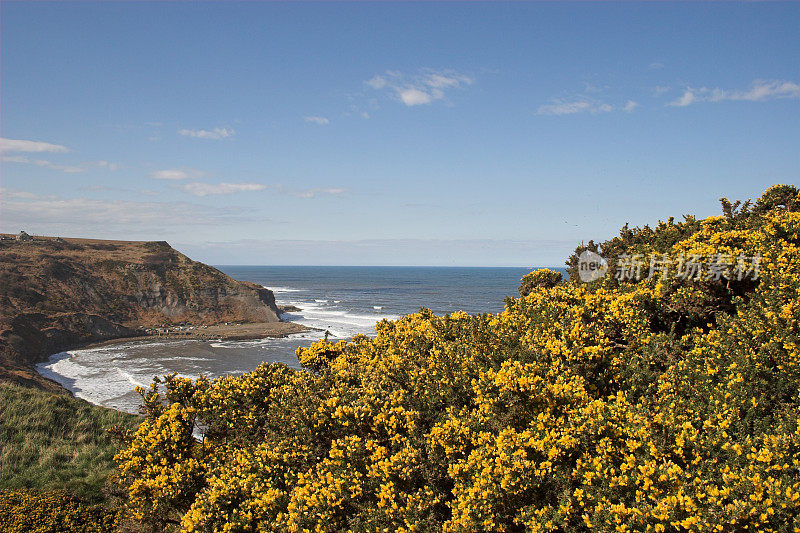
[230, 332]
[58, 294]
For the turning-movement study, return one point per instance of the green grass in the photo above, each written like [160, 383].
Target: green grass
[57, 442]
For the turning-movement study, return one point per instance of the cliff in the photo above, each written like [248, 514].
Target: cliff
[60, 293]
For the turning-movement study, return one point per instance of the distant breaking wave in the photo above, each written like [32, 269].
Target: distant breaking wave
[342, 302]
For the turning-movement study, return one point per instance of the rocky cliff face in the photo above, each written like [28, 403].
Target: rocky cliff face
[60, 293]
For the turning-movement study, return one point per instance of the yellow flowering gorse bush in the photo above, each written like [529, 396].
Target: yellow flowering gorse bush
[617, 405]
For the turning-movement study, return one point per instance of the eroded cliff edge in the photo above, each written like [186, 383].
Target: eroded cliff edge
[57, 294]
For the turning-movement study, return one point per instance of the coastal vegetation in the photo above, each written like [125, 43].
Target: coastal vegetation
[56, 467]
[57, 442]
[34, 511]
[666, 401]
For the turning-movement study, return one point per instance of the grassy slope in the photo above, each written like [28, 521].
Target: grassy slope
[56, 442]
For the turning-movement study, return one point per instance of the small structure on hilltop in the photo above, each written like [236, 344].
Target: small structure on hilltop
[24, 237]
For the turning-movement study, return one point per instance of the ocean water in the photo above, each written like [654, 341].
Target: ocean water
[345, 301]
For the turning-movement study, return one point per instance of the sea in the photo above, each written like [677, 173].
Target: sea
[343, 301]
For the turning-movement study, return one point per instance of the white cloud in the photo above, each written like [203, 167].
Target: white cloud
[10, 193]
[170, 174]
[658, 90]
[688, 98]
[104, 188]
[561, 107]
[377, 82]
[205, 189]
[16, 159]
[582, 104]
[56, 215]
[69, 169]
[423, 88]
[656, 65]
[630, 106]
[312, 193]
[413, 96]
[309, 193]
[18, 145]
[571, 107]
[764, 90]
[759, 91]
[322, 121]
[216, 133]
[106, 165]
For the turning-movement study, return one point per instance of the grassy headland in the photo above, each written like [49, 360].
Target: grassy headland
[57, 442]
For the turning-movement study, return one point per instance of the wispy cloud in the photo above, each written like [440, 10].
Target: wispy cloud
[197, 188]
[51, 214]
[656, 65]
[659, 90]
[172, 174]
[499, 252]
[69, 169]
[106, 164]
[312, 193]
[322, 121]
[216, 133]
[8, 194]
[18, 145]
[629, 106]
[559, 106]
[413, 96]
[759, 91]
[104, 188]
[425, 87]
[687, 98]
[583, 104]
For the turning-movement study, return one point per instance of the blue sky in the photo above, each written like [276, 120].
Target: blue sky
[389, 133]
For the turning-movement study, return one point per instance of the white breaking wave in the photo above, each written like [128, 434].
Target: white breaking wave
[282, 289]
[108, 375]
[132, 379]
[93, 381]
[340, 323]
